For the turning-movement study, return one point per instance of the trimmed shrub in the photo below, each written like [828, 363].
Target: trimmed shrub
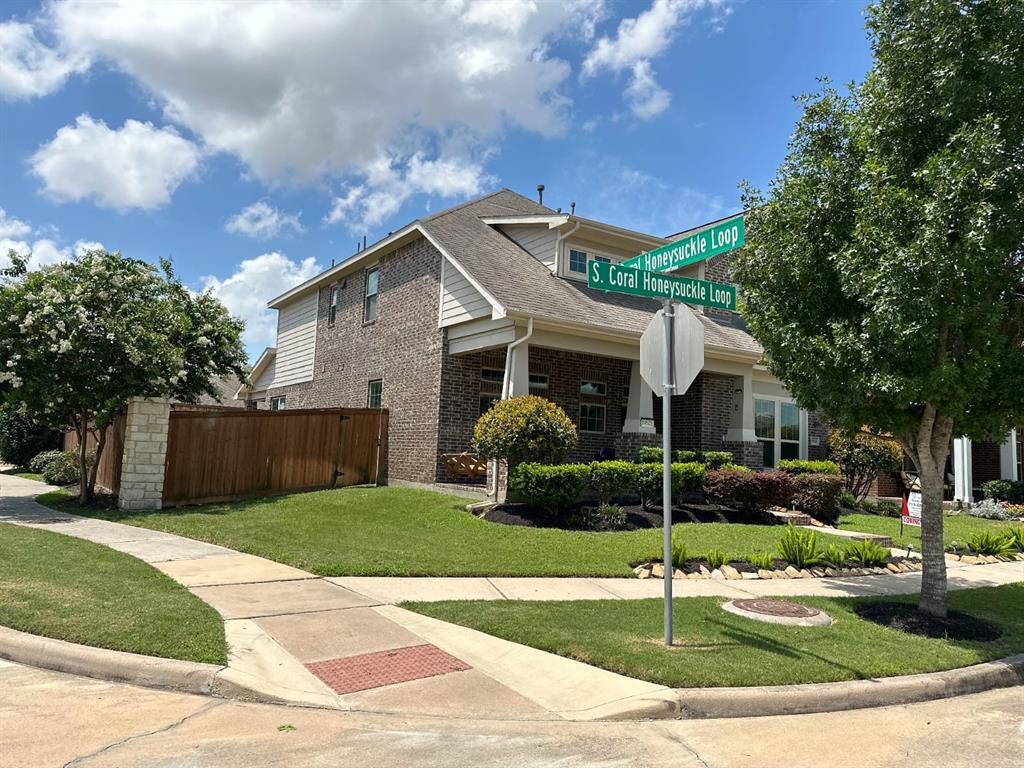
[650, 455]
[817, 495]
[526, 428]
[552, 487]
[716, 459]
[989, 509]
[612, 479]
[42, 460]
[685, 479]
[752, 491]
[63, 469]
[801, 467]
[21, 438]
[799, 547]
[862, 457]
[1004, 490]
[735, 468]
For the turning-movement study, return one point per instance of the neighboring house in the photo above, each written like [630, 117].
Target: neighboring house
[489, 299]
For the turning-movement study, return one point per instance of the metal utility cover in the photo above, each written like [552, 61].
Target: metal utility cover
[688, 352]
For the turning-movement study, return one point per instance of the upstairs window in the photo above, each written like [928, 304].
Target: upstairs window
[578, 261]
[596, 388]
[375, 390]
[277, 403]
[370, 299]
[332, 313]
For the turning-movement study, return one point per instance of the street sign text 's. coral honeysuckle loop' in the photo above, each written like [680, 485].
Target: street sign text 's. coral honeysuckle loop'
[621, 279]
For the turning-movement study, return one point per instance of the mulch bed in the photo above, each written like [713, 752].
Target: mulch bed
[636, 516]
[905, 617]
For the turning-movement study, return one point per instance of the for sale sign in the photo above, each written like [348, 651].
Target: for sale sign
[912, 509]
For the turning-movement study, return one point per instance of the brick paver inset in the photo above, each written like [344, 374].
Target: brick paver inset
[375, 670]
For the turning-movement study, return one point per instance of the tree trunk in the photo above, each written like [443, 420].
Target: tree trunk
[100, 442]
[82, 429]
[929, 449]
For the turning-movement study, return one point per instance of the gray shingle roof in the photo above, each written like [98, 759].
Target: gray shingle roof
[522, 284]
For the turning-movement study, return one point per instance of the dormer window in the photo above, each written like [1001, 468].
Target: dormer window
[578, 261]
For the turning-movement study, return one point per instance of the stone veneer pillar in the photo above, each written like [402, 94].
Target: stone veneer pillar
[145, 449]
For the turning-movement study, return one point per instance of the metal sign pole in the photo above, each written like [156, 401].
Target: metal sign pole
[666, 442]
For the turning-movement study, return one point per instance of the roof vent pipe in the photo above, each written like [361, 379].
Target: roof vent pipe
[364, 242]
[540, 194]
[572, 208]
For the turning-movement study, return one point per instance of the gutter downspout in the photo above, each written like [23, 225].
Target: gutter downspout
[558, 242]
[505, 387]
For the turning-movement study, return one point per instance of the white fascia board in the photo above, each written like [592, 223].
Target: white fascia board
[552, 220]
[370, 252]
[261, 363]
[497, 310]
[627, 234]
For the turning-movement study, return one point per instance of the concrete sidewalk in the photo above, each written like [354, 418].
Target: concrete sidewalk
[342, 643]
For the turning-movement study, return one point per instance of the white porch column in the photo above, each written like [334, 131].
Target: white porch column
[963, 472]
[519, 382]
[640, 408]
[741, 425]
[1008, 457]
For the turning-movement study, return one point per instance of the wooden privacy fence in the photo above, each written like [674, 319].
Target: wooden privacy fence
[108, 474]
[227, 454]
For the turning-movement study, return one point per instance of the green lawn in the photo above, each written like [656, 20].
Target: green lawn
[70, 589]
[23, 472]
[716, 648]
[406, 532]
[956, 528]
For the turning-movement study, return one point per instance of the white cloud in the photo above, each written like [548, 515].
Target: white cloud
[246, 291]
[82, 246]
[637, 41]
[305, 89]
[646, 98]
[388, 187]
[29, 68]
[262, 221]
[11, 227]
[609, 190]
[135, 166]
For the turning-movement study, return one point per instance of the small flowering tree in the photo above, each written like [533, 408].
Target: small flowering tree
[78, 339]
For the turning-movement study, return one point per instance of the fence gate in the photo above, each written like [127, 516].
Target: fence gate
[228, 454]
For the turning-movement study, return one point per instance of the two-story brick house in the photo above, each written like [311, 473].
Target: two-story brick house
[489, 299]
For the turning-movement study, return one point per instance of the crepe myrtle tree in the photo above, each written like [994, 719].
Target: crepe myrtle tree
[883, 270]
[78, 339]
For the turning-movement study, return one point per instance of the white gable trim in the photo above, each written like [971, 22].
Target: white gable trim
[265, 358]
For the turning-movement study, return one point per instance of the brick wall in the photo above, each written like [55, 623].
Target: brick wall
[461, 387]
[402, 347]
[985, 462]
[817, 428]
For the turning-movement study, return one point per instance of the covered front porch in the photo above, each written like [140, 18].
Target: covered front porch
[733, 405]
[976, 463]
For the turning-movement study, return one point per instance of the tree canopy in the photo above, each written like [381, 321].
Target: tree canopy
[82, 337]
[884, 271]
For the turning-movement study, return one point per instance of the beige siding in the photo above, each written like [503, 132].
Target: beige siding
[535, 239]
[460, 301]
[296, 341]
[266, 377]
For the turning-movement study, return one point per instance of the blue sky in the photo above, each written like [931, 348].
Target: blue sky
[254, 144]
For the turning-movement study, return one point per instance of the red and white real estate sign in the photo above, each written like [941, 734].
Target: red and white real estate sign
[911, 513]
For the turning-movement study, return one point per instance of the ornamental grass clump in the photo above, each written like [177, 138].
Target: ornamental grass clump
[993, 544]
[679, 552]
[762, 560]
[832, 556]
[867, 553]
[716, 559]
[525, 428]
[799, 548]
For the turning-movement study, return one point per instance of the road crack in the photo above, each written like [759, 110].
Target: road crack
[80, 761]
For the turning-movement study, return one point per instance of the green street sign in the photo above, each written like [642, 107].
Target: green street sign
[709, 242]
[639, 282]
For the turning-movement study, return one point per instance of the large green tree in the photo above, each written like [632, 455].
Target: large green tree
[78, 339]
[883, 273]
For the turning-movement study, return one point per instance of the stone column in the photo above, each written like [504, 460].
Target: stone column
[145, 450]
[640, 407]
[963, 471]
[1008, 457]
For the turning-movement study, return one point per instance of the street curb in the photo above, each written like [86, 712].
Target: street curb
[122, 667]
[766, 701]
